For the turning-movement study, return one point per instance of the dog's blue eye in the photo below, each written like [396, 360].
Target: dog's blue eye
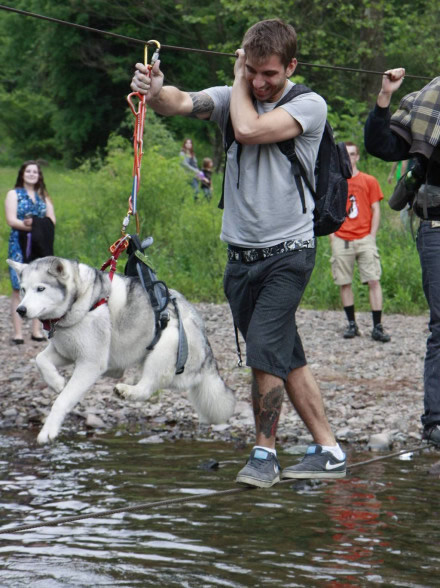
[41, 288]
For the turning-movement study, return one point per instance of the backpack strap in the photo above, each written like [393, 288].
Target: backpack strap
[287, 148]
[228, 139]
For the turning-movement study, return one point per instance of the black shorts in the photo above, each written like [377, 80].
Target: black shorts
[264, 297]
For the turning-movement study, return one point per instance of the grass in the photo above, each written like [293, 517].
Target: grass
[91, 202]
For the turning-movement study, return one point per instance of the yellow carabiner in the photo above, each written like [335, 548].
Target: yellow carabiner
[155, 54]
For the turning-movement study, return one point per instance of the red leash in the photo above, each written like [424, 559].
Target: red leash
[138, 143]
[138, 137]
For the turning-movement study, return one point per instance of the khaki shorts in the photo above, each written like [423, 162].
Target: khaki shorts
[346, 253]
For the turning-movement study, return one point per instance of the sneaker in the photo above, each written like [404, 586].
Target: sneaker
[352, 330]
[431, 433]
[262, 469]
[379, 334]
[317, 463]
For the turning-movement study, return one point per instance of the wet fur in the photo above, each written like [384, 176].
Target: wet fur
[112, 337]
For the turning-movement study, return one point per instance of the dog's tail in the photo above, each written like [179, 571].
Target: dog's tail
[212, 399]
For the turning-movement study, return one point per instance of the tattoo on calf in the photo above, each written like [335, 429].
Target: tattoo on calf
[202, 104]
[267, 408]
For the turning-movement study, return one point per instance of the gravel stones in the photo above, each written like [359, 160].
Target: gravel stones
[369, 388]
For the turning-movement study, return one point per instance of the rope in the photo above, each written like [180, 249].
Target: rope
[138, 135]
[187, 49]
[182, 500]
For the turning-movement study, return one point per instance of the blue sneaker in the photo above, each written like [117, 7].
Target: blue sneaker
[317, 463]
[262, 469]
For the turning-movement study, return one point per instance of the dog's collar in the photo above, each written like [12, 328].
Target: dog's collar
[49, 324]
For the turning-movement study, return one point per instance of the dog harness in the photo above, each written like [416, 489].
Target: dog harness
[159, 296]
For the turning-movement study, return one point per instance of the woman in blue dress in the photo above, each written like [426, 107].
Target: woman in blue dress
[28, 198]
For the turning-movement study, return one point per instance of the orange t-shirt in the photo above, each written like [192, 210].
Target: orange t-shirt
[363, 191]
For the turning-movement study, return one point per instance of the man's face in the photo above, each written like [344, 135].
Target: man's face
[267, 79]
[353, 154]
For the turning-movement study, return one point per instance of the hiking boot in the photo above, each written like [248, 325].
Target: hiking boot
[317, 463]
[352, 330]
[379, 334]
[262, 469]
[431, 433]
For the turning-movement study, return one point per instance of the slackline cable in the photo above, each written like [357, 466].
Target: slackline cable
[181, 500]
[188, 49]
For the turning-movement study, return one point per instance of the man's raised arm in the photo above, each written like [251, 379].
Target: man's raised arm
[169, 100]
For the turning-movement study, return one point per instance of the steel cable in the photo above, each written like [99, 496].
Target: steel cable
[187, 49]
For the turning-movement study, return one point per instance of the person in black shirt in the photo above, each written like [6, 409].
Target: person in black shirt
[413, 131]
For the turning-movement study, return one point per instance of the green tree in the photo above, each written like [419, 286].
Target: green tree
[79, 80]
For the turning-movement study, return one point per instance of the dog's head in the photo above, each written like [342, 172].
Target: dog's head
[44, 286]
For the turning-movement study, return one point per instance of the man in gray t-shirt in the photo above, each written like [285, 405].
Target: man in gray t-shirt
[269, 232]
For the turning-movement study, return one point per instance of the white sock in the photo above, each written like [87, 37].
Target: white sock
[335, 450]
[273, 451]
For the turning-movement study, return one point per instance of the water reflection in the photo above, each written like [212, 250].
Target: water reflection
[378, 526]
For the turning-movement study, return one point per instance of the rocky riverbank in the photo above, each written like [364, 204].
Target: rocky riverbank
[369, 388]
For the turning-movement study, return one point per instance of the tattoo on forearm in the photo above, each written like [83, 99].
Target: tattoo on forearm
[267, 408]
[202, 104]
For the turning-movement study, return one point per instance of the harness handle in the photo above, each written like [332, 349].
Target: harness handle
[116, 249]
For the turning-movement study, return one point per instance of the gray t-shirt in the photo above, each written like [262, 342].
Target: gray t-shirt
[262, 204]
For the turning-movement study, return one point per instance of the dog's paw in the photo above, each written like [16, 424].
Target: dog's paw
[56, 382]
[59, 384]
[46, 435]
[124, 391]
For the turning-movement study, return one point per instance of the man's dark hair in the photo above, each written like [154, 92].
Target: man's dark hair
[270, 37]
[351, 144]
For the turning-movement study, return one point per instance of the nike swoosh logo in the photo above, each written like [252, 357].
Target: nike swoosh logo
[332, 466]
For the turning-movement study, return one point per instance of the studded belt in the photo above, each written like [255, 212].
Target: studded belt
[251, 255]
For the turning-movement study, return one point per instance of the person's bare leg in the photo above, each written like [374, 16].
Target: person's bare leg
[347, 296]
[36, 329]
[267, 399]
[324, 459]
[17, 322]
[305, 396]
[262, 468]
[375, 294]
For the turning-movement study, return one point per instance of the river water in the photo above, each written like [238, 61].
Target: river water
[379, 526]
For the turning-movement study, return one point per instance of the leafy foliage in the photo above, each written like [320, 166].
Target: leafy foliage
[78, 80]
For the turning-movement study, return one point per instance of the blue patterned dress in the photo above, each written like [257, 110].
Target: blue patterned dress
[24, 206]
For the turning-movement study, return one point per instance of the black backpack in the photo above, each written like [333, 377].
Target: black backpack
[332, 170]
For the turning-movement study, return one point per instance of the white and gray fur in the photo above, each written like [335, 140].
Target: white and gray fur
[112, 337]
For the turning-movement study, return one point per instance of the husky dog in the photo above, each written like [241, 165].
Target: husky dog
[109, 337]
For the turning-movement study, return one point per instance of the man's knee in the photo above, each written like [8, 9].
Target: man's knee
[374, 284]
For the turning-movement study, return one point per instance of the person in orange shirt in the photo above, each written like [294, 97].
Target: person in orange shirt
[355, 242]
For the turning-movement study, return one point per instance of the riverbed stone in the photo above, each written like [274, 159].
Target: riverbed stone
[380, 442]
[94, 421]
[368, 388]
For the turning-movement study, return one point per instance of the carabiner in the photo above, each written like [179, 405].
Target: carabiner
[155, 54]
